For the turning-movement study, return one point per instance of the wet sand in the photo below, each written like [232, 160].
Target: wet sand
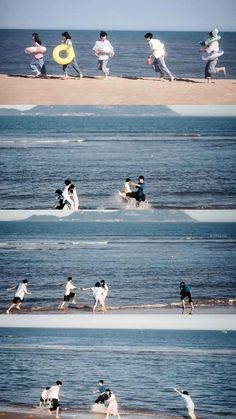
[114, 91]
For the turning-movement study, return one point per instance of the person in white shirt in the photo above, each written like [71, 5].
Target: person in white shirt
[69, 203]
[212, 46]
[158, 52]
[44, 399]
[69, 294]
[53, 394]
[103, 51]
[67, 41]
[97, 295]
[126, 188]
[104, 294]
[19, 295]
[73, 195]
[188, 401]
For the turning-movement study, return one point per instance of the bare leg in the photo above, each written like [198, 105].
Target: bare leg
[95, 306]
[10, 308]
[192, 308]
[57, 413]
[18, 306]
[107, 416]
[183, 306]
[63, 304]
[73, 301]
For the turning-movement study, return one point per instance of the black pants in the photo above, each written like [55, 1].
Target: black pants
[137, 195]
[55, 405]
[102, 398]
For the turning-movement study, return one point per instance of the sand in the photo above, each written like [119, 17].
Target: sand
[16, 90]
[75, 415]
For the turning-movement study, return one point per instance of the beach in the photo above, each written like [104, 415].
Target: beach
[114, 91]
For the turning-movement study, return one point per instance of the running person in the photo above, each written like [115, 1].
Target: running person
[185, 291]
[211, 46]
[67, 41]
[158, 52]
[97, 295]
[37, 64]
[19, 295]
[69, 294]
[188, 401]
[102, 395]
[103, 51]
[112, 408]
[53, 394]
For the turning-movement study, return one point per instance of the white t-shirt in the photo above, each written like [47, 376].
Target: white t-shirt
[44, 394]
[66, 196]
[21, 291]
[103, 49]
[53, 393]
[127, 187]
[69, 287]
[213, 47]
[188, 401]
[97, 292]
[157, 48]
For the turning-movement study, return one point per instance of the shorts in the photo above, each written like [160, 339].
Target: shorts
[55, 405]
[69, 297]
[17, 300]
[42, 400]
[183, 295]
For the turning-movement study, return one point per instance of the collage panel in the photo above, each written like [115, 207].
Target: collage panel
[118, 211]
[165, 374]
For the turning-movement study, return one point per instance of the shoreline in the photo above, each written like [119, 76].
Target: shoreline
[114, 91]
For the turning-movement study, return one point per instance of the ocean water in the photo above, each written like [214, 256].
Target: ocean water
[142, 262]
[187, 161]
[131, 51]
[141, 367]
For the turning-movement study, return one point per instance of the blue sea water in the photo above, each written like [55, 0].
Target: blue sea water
[187, 161]
[131, 51]
[141, 367]
[142, 262]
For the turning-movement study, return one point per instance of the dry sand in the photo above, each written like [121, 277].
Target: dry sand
[26, 90]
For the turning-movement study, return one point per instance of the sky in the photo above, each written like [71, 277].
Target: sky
[193, 15]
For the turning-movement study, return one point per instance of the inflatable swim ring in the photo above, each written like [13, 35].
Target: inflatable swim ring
[212, 56]
[70, 54]
[209, 41]
[35, 50]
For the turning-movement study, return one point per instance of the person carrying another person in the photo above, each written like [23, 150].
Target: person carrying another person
[139, 195]
[212, 48]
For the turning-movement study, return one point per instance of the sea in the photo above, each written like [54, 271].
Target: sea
[187, 162]
[142, 262]
[140, 366]
[131, 51]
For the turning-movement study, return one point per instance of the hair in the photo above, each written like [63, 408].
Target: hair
[58, 191]
[141, 177]
[25, 281]
[101, 381]
[69, 278]
[35, 35]
[59, 383]
[103, 33]
[67, 182]
[128, 179]
[148, 35]
[181, 283]
[72, 187]
[66, 35]
[47, 388]
[103, 283]
[109, 391]
[185, 392]
[211, 33]
[97, 284]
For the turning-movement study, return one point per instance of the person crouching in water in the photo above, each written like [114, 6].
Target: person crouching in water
[185, 291]
[139, 195]
[158, 52]
[37, 64]
[67, 41]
